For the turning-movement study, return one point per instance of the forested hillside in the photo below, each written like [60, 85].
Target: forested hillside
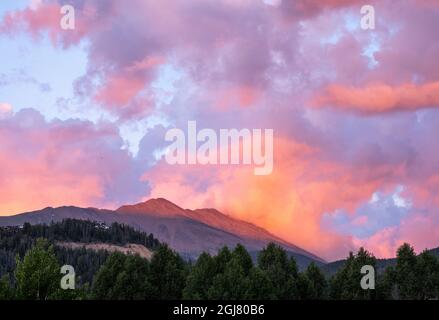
[18, 240]
[31, 270]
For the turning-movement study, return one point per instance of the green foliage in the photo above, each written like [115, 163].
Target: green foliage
[281, 271]
[38, 274]
[228, 275]
[6, 290]
[123, 277]
[413, 277]
[168, 274]
[386, 285]
[346, 283]
[87, 262]
[18, 240]
[313, 284]
[243, 259]
[405, 273]
[232, 279]
[231, 284]
[260, 286]
[200, 278]
[427, 271]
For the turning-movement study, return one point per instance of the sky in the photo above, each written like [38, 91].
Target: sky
[84, 112]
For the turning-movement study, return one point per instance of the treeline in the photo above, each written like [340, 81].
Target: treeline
[16, 241]
[231, 274]
[72, 230]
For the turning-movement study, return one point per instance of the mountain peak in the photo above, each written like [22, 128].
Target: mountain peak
[158, 206]
[190, 232]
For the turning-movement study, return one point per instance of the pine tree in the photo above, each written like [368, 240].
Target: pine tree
[232, 284]
[405, 273]
[168, 274]
[346, 283]
[317, 281]
[243, 258]
[281, 271]
[123, 277]
[200, 278]
[427, 271]
[260, 286]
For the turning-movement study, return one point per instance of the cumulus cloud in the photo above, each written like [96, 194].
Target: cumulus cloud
[63, 163]
[246, 64]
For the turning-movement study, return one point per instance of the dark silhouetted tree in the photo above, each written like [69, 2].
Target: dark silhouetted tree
[405, 276]
[346, 283]
[427, 271]
[313, 284]
[200, 278]
[123, 277]
[281, 271]
[168, 274]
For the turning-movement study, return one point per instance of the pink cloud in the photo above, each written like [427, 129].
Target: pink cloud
[381, 98]
[420, 230]
[244, 66]
[310, 8]
[62, 163]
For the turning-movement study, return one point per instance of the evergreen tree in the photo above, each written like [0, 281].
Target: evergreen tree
[232, 284]
[200, 278]
[317, 283]
[168, 274]
[260, 286]
[405, 273]
[427, 271]
[123, 277]
[304, 287]
[387, 288]
[221, 259]
[232, 279]
[346, 283]
[133, 282]
[243, 258]
[281, 271]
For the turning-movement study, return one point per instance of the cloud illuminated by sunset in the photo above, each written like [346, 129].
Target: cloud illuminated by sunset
[355, 112]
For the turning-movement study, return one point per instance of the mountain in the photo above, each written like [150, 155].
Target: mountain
[189, 232]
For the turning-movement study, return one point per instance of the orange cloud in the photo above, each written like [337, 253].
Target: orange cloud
[380, 98]
[290, 202]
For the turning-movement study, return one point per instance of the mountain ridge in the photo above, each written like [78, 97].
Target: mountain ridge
[189, 232]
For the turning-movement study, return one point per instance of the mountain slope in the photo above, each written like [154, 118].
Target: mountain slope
[189, 232]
